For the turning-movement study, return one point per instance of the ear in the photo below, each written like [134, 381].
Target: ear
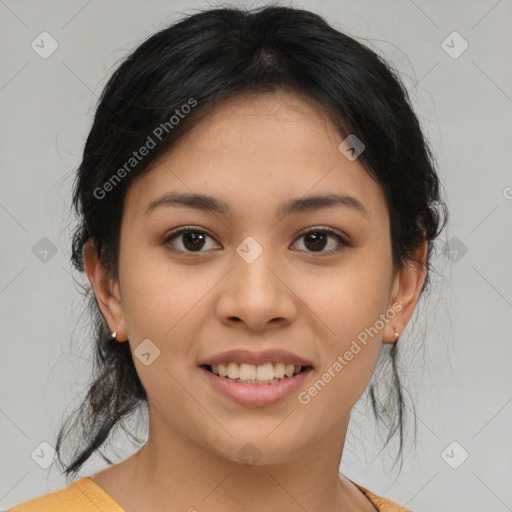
[106, 290]
[406, 290]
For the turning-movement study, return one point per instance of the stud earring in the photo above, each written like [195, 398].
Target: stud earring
[113, 336]
[397, 335]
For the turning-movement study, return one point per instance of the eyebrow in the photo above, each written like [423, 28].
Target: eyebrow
[298, 205]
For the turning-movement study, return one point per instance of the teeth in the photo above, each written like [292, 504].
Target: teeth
[233, 371]
[279, 371]
[223, 371]
[247, 371]
[267, 373]
[289, 369]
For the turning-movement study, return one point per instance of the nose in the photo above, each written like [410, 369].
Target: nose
[257, 296]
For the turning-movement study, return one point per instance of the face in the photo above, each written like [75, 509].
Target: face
[196, 280]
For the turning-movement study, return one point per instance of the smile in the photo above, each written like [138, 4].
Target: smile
[254, 391]
[262, 374]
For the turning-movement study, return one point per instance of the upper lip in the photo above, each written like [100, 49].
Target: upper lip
[257, 358]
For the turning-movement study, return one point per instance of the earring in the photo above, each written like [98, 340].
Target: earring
[397, 335]
[113, 336]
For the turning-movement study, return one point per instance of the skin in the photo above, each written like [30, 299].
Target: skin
[251, 152]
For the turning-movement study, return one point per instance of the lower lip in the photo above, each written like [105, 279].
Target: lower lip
[254, 395]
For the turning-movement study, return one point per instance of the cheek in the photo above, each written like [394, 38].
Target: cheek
[350, 346]
[157, 296]
[351, 297]
[166, 308]
[350, 304]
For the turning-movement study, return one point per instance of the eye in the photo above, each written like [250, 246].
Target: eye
[315, 240]
[190, 238]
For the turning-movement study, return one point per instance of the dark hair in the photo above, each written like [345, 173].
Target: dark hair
[204, 58]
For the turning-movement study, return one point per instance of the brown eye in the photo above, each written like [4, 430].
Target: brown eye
[315, 241]
[189, 240]
[318, 239]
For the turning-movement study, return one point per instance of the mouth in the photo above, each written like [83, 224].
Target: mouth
[256, 385]
[250, 374]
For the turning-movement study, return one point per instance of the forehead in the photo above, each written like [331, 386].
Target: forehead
[264, 147]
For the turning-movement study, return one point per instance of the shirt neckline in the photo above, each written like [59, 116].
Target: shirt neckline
[108, 500]
[87, 483]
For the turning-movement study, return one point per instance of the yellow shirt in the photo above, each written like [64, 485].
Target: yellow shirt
[85, 495]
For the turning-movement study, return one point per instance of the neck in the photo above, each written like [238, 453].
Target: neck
[171, 468]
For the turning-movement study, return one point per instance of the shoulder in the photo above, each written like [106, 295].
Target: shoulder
[80, 496]
[382, 504]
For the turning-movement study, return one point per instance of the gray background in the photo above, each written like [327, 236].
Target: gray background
[459, 376]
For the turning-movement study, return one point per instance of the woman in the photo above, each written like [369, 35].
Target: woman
[258, 208]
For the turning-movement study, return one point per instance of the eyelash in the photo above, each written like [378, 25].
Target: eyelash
[192, 229]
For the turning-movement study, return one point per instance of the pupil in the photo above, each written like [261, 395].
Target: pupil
[318, 241]
[191, 240]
